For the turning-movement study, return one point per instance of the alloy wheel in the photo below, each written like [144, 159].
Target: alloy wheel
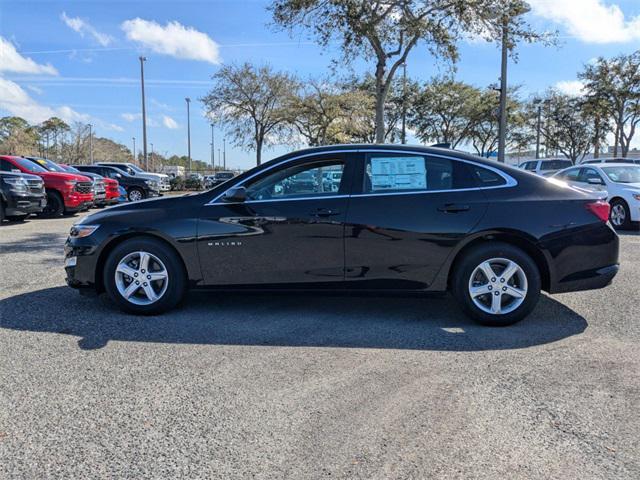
[141, 278]
[135, 195]
[498, 286]
[618, 214]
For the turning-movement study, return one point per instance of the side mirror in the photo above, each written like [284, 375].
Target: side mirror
[235, 194]
[594, 181]
[118, 175]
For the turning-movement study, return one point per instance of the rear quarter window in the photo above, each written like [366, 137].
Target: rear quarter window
[485, 177]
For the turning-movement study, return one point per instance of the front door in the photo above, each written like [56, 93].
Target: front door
[290, 229]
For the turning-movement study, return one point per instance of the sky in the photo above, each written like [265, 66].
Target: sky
[79, 60]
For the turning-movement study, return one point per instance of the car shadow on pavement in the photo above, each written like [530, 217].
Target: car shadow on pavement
[288, 321]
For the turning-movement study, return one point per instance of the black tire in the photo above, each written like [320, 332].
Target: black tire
[620, 204]
[176, 284]
[1, 211]
[17, 218]
[466, 267]
[135, 191]
[55, 205]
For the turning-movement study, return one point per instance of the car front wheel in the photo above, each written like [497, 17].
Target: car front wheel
[144, 276]
[135, 194]
[620, 216]
[497, 284]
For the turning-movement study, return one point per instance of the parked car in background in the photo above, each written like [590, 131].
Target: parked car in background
[97, 184]
[221, 177]
[134, 170]
[137, 187]
[635, 161]
[404, 219]
[20, 195]
[546, 167]
[111, 186]
[620, 181]
[122, 194]
[66, 192]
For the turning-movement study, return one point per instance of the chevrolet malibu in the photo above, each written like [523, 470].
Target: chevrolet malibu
[401, 220]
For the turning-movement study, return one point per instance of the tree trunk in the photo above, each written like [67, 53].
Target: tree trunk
[617, 138]
[259, 142]
[380, 98]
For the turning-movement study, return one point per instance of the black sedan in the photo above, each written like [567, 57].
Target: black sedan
[402, 219]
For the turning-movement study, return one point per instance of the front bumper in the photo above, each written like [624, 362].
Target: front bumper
[74, 201]
[25, 204]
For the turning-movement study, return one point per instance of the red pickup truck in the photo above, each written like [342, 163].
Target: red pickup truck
[66, 192]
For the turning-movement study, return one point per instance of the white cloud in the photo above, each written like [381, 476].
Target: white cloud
[575, 88]
[35, 89]
[85, 28]
[169, 122]
[173, 39]
[591, 21]
[17, 102]
[12, 61]
[131, 117]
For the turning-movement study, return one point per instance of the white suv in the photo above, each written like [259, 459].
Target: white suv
[547, 166]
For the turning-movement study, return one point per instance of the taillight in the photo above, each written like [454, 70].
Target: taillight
[600, 209]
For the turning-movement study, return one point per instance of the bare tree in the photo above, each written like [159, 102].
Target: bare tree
[251, 103]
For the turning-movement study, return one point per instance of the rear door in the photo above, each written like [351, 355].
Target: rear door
[407, 212]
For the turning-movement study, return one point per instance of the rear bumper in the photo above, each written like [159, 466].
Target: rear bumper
[587, 280]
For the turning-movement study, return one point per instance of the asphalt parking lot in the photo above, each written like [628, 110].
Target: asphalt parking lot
[231, 386]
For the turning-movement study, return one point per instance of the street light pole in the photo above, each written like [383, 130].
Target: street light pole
[91, 143]
[503, 91]
[134, 149]
[151, 156]
[144, 114]
[188, 100]
[538, 126]
[213, 158]
[224, 153]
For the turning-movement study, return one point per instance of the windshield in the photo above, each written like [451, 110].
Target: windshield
[49, 165]
[630, 174]
[29, 165]
[136, 168]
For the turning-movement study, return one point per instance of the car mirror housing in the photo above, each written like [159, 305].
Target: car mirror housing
[235, 194]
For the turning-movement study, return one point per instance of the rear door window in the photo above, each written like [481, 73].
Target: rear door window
[409, 172]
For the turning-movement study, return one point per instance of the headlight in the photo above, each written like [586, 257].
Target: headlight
[81, 231]
[636, 196]
[16, 184]
[70, 183]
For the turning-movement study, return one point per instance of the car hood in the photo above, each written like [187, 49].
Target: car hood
[142, 212]
[64, 176]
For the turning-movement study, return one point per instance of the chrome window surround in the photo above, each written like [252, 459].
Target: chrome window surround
[510, 181]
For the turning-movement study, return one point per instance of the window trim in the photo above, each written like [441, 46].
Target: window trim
[510, 181]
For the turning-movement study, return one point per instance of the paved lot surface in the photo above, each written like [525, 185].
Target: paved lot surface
[304, 387]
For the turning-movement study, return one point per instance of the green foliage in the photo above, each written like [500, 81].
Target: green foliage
[251, 103]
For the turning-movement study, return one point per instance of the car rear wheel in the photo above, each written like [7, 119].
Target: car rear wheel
[55, 205]
[620, 216]
[497, 284]
[144, 276]
[135, 194]
[1, 211]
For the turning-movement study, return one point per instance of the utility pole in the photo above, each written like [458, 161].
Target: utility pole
[134, 149]
[151, 157]
[224, 153]
[403, 137]
[91, 143]
[538, 126]
[502, 135]
[213, 158]
[188, 100]
[144, 115]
